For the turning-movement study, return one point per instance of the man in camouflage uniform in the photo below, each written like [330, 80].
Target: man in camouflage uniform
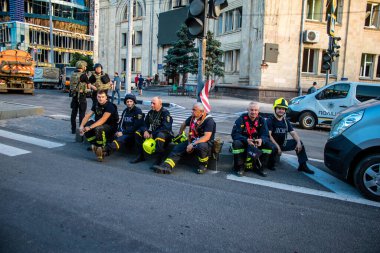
[79, 85]
[99, 81]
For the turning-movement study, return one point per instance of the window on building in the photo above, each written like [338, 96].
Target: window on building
[137, 38]
[232, 60]
[314, 9]
[366, 66]
[378, 67]
[136, 65]
[4, 6]
[372, 18]
[338, 11]
[180, 3]
[124, 39]
[309, 64]
[230, 21]
[137, 11]
[124, 64]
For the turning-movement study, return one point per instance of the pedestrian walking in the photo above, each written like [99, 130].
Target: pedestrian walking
[313, 88]
[140, 84]
[116, 88]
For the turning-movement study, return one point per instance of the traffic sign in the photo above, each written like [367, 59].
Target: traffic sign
[331, 25]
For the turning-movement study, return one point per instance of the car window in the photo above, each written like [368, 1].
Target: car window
[336, 91]
[367, 92]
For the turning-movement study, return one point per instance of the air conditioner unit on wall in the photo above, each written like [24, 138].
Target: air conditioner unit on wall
[310, 36]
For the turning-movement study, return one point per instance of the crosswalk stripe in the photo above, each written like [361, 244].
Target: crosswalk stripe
[12, 151]
[30, 140]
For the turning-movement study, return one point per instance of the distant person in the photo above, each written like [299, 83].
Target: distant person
[60, 82]
[140, 84]
[156, 80]
[137, 80]
[313, 88]
[116, 88]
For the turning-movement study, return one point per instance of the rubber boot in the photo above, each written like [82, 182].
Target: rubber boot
[164, 168]
[138, 159]
[304, 168]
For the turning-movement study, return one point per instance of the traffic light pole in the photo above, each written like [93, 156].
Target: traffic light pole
[202, 55]
[328, 71]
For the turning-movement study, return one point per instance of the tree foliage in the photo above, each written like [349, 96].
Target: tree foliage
[86, 58]
[181, 57]
[214, 65]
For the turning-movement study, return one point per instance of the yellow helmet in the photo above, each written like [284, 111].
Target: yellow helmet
[280, 103]
[180, 138]
[149, 146]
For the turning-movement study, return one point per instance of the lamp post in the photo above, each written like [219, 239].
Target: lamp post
[51, 60]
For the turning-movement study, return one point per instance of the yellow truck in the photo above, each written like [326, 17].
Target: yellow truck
[16, 71]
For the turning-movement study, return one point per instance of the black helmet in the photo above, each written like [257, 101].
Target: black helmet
[98, 65]
[130, 96]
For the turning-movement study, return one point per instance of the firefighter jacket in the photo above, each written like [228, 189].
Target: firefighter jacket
[132, 119]
[244, 128]
[160, 121]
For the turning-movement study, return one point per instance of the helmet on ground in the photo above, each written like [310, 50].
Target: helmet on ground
[81, 64]
[149, 146]
[180, 138]
[130, 96]
[98, 65]
[280, 103]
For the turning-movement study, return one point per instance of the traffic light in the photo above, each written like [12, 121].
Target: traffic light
[196, 17]
[335, 47]
[215, 7]
[326, 60]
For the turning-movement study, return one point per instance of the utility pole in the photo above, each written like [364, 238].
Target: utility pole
[128, 75]
[51, 60]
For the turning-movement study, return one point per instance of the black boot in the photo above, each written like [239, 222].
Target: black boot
[138, 159]
[303, 167]
[260, 172]
[162, 169]
[202, 168]
[240, 171]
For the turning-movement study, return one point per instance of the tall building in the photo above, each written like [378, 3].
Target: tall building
[25, 24]
[271, 48]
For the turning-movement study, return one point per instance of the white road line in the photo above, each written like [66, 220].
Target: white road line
[12, 151]
[330, 182]
[303, 190]
[30, 140]
[310, 159]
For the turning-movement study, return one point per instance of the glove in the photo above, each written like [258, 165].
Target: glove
[105, 79]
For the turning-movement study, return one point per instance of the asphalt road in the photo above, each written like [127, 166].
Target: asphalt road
[59, 199]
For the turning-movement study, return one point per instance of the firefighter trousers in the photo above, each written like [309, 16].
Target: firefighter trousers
[100, 135]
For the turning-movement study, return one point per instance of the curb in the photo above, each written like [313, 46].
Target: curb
[9, 110]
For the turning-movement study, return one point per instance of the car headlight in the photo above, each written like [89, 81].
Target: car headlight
[345, 123]
[296, 100]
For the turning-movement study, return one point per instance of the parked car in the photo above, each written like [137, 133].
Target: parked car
[322, 106]
[353, 147]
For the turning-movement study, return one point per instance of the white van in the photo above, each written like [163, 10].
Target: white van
[322, 106]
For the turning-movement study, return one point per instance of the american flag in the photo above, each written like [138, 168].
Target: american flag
[204, 95]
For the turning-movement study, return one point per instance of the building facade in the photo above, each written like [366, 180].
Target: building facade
[25, 25]
[271, 48]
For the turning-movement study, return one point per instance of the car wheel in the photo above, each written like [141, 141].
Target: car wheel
[367, 177]
[307, 120]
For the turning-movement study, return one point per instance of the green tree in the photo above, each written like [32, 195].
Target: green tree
[86, 58]
[214, 67]
[182, 57]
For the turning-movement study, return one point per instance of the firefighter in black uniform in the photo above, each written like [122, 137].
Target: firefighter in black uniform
[132, 119]
[100, 131]
[279, 127]
[157, 125]
[79, 86]
[202, 129]
[249, 133]
[99, 81]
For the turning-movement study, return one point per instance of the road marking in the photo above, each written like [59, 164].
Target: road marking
[330, 182]
[303, 190]
[60, 116]
[30, 140]
[12, 151]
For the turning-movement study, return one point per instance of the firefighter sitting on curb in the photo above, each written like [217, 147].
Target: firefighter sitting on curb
[156, 132]
[131, 120]
[99, 81]
[249, 133]
[103, 129]
[79, 86]
[279, 127]
[200, 141]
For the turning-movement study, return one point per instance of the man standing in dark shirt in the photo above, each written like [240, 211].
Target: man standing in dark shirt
[201, 136]
[279, 127]
[101, 130]
[157, 126]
